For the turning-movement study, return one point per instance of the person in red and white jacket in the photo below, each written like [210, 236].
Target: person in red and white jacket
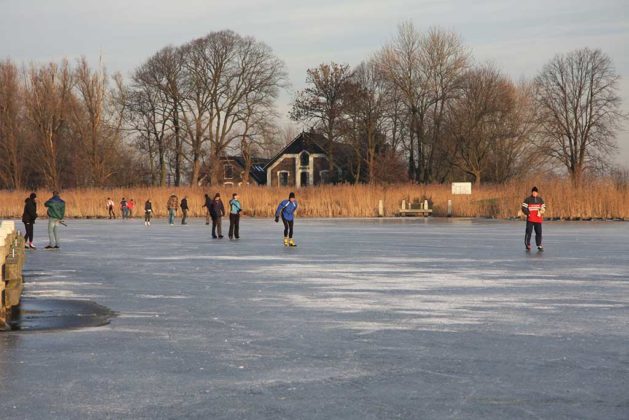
[533, 207]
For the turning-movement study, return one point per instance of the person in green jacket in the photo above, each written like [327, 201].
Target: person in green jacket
[56, 212]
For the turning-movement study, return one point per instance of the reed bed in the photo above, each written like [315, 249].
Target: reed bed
[600, 198]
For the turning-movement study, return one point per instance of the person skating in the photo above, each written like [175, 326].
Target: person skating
[110, 208]
[286, 210]
[207, 204]
[533, 207]
[124, 209]
[217, 211]
[172, 204]
[56, 212]
[148, 212]
[234, 217]
[184, 210]
[28, 218]
[130, 207]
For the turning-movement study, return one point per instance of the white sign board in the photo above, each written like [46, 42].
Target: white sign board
[461, 188]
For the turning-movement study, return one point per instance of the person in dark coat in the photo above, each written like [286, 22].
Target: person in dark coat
[28, 218]
[217, 211]
[207, 204]
[184, 210]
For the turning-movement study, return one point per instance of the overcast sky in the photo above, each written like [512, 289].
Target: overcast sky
[519, 36]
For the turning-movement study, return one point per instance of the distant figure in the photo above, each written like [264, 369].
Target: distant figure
[184, 210]
[28, 218]
[172, 204]
[207, 205]
[234, 217]
[217, 211]
[110, 208]
[56, 212]
[130, 207]
[124, 209]
[534, 208]
[286, 210]
[148, 212]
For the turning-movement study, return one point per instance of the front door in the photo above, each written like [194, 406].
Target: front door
[304, 179]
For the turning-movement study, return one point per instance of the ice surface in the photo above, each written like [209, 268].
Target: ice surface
[413, 318]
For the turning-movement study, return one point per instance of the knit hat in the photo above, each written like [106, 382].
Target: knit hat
[218, 195]
[33, 195]
[291, 195]
[534, 189]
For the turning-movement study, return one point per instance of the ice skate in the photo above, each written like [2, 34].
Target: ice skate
[286, 243]
[292, 243]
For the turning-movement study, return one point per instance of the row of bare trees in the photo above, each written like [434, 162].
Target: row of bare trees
[190, 105]
[423, 97]
[420, 108]
[59, 127]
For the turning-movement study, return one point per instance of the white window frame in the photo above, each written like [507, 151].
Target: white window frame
[279, 178]
[225, 171]
[327, 174]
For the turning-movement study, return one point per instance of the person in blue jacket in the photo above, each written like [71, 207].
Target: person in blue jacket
[286, 210]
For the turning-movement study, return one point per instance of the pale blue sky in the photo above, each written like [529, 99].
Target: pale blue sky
[519, 36]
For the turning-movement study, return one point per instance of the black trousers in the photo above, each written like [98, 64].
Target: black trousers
[288, 227]
[29, 232]
[184, 217]
[217, 227]
[529, 231]
[234, 225]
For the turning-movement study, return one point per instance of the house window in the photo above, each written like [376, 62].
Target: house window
[305, 159]
[324, 176]
[229, 171]
[283, 178]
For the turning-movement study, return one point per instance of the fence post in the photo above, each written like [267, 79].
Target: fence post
[449, 208]
[381, 208]
[403, 204]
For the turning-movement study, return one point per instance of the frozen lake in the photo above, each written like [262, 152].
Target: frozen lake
[366, 319]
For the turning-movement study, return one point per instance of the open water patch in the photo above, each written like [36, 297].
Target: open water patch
[44, 314]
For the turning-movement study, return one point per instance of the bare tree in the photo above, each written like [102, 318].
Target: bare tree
[49, 101]
[426, 70]
[11, 135]
[480, 119]
[324, 102]
[367, 108]
[577, 95]
[149, 114]
[97, 137]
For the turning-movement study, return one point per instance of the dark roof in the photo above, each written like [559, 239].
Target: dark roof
[257, 171]
[310, 142]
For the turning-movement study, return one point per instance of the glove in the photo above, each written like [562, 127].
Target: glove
[277, 219]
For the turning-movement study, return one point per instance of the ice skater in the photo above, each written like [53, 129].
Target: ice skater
[207, 204]
[124, 209]
[110, 208]
[286, 210]
[234, 217]
[148, 212]
[56, 212]
[130, 207]
[184, 210]
[217, 211]
[533, 207]
[28, 218]
[172, 204]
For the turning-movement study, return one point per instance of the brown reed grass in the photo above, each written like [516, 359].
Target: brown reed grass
[600, 198]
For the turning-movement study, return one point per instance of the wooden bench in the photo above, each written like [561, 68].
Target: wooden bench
[417, 208]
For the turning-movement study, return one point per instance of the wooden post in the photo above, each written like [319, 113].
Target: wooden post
[449, 208]
[381, 208]
[403, 204]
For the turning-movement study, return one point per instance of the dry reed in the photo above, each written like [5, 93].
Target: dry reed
[596, 199]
